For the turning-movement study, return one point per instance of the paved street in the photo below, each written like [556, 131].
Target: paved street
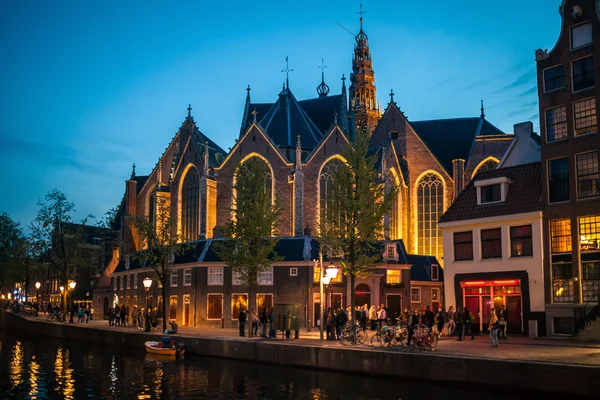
[555, 351]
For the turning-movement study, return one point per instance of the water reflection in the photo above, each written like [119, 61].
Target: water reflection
[76, 370]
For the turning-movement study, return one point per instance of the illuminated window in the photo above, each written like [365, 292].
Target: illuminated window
[491, 243]
[415, 295]
[554, 78]
[215, 306]
[563, 287]
[585, 116]
[430, 200]
[558, 179]
[560, 236]
[190, 206]
[394, 210]
[583, 73]
[394, 277]
[152, 209]
[326, 188]
[588, 176]
[521, 244]
[317, 275]
[556, 123]
[172, 307]
[215, 275]
[435, 295]
[589, 232]
[486, 166]
[264, 301]
[239, 302]
[463, 246]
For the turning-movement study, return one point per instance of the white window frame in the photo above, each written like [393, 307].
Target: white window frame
[187, 273]
[589, 23]
[260, 279]
[293, 271]
[174, 278]
[390, 251]
[387, 275]
[214, 276]
[128, 281]
[437, 269]
[135, 281]
[115, 282]
[437, 290]
[236, 279]
[411, 295]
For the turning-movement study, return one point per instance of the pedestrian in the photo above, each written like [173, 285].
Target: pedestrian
[460, 322]
[469, 318]
[80, 315]
[429, 317]
[264, 319]
[91, 313]
[254, 319]
[110, 316]
[382, 317]
[134, 316]
[330, 318]
[341, 320]
[363, 316]
[242, 320]
[451, 323]
[123, 315]
[373, 317]
[271, 322]
[117, 316]
[494, 327]
[440, 320]
[87, 315]
[413, 323]
[503, 318]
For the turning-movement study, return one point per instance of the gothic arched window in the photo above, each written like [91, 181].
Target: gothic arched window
[190, 206]
[487, 165]
[152, 208]
[246, 167]
[326, 186]
[394, 216]
[430, 207]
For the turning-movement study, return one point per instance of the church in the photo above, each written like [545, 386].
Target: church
[302, 142]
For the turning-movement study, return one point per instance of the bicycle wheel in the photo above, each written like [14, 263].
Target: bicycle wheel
[433, 342]
[362, 337]
[412, 346]
[347, 338]
[377, 340]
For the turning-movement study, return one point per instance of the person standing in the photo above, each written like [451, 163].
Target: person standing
[373, 317]
[494, 327]
[503, 317]
[271, 322]
[460, 322]
[382, 316]
[134, 317]
[429, 317]
[254, 319]
[413, 323]
[469, 318]
[264, 318]
[242, 320]
[451, 322]
[440, 320]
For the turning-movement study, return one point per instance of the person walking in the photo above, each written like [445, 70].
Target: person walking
[494, 327]
[134, 317]
[382, 316]
[440, 320]
[469, 318]
[254, 319]
[271, 322]
[413, 323]
[373, 317]
[451, 323]
[363, 317]
[503, 318]
[460, 322]
[117, 316]
[263, 319]
[242, 320]
[429, 317]
[123, 315]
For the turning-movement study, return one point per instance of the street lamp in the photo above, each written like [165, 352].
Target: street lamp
[72, 285]
[147, 283]
[62, 288]
[37, 300]
[332, 271]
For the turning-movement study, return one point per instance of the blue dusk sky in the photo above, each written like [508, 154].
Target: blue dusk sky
[87, 88]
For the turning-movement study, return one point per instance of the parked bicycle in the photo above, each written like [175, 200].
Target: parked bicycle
[390, 336]
[352, 334]
[423, 338]
[55, 316]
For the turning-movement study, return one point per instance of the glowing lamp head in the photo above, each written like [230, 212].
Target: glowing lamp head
[326, 280]
[3, 297]
[38, 285]
[62, 288]
[147, 283]
[72, 285]
[331, 271]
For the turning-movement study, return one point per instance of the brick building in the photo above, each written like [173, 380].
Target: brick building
[567, 90]
[302, 142]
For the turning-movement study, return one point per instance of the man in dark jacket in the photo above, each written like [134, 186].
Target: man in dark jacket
[242, 319]
[429, 317]
[460, 322]
[503, 318]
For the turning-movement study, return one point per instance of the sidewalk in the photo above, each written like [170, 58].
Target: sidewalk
[554, 351]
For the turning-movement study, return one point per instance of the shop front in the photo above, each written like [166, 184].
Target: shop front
[482, 292]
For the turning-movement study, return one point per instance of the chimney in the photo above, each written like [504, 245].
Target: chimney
[523, 131]
[458, 175]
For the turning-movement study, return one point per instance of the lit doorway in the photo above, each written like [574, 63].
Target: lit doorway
[186, 310]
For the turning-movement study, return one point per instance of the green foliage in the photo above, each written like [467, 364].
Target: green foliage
[249, 249]
[11, 239]
[356, 205]
[110, 220]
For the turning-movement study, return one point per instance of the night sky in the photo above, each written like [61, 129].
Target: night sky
[88, 88]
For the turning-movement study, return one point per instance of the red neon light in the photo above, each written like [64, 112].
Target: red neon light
[507, 283]
[477, 283]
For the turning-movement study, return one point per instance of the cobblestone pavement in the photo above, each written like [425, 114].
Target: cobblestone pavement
[555, 351]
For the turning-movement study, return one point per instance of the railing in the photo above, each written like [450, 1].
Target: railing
[589, 311]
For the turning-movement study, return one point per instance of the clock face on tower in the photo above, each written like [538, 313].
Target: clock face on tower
[361, 126]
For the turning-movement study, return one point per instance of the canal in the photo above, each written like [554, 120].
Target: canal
[33, 367]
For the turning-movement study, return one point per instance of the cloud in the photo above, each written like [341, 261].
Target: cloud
[529, 91]
[521, 80]
[534, 117]
[515, 68]
[444, 82]
[529, 105]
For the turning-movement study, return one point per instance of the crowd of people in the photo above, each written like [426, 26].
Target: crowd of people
[264, 320]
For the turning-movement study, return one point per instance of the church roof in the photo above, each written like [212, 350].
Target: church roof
[213, 148]
[449, 139]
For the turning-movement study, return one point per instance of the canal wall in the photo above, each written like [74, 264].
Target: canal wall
[534, 376]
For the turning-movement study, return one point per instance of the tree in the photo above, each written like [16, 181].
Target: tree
[59, 241]
[11, 237]
[111, 219]
[353, 219]
[249, 249]
[162, 246]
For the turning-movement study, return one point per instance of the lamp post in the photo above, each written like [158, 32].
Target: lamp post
[37, 300]
[320, 295]
[147, 282]
[330, 275]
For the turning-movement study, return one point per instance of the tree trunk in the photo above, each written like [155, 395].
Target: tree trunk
[165, 282]
[65, 285]
[251, 299]
[352, 297]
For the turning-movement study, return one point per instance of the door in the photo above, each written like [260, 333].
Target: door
[186, 310]
[149, 303]
[515, 318]
[486, 306]
[316, 308]
[362, 295]
[472, 304]
[336, 301]
[173, 307]
[394, 304]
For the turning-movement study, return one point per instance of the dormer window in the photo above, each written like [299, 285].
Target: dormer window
[390, 251]
[435, 272]
[490, 191]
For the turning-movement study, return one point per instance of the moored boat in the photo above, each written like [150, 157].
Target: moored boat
[166, 347]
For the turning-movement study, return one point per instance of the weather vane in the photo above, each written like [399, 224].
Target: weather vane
[287, 71]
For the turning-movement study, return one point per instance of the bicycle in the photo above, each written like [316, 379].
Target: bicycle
[55, 317]
[389, 335]
[352, 334]
[423, 338]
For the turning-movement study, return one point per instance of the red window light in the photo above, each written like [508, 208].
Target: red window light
[474, 283]
[511, 282]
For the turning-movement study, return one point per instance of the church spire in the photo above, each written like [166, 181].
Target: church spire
[363, 94]
[482, 113]
[322, 89]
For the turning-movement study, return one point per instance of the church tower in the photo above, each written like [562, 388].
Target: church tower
[363, 94]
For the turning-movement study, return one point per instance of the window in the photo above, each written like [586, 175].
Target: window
[521, 244]
[415, 295]
[394, 277]
[236, 278]
[564, 325]
[326, 188]
[585, 116]
[115, 282]
[317, 275]
[394, 215]
[463, 246]
[589, 234]
[239, 302]
[190, 206]
[563, 288]
[581, 35]
[264, 301]
[215, 306]
[265, 277]
[583, 73]
[486, 166]
[554, 78]
[128, 281]
[430, 207]
[558, 180]
[293, 271]
[172, 307]
[174, 278]
[491, 243]
[588, 175]
[390, 252]
[187, 277]
[215, 275]
[556, 123]
[122, 286]
[491, 193]
[135, 281]
[435, 295]
[435, 272]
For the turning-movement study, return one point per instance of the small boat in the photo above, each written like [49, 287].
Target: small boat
[166, 347]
